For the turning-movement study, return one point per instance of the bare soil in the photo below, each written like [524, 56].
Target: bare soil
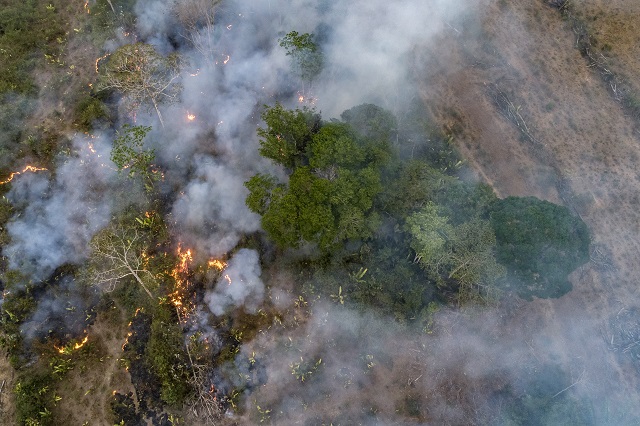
[585, 156]
[86, 390]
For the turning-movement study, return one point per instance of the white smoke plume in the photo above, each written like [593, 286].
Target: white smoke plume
[240, 284]
[214, 202]
[60, 216]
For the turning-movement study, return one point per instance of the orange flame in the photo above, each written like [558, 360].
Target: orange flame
[86, 6]
[69, 347]
[99, 59]
[26, 169]
[228, 278]
[181, 286]
[81, 344]
[190, 116]
[217, 264]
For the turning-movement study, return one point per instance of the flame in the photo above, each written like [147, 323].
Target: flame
[70, 347]
[226, 60]
[217, 264]
[228, 278]
[190, 116]
[300, 98]
[86, 6]
[196, 73]
[81, 344]
[181, 283]
[26, 169]
[99, 59]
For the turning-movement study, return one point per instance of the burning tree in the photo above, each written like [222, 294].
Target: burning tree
[118, 252]
[143, 76]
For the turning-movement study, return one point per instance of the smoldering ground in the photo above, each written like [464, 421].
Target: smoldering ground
[339, 366]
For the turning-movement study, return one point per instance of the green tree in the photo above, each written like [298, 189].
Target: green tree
[541, 243]
[142, 76]
[306, 54]
[332, 186]
[287, 134]
[461, 255]
[128, 153]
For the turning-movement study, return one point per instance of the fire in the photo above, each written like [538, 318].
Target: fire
[99, 59]
[81, 344]
[226, 60]
[181, 283]
[217, 264]
[228, 278]
[26, 169]
[70, 347]
[300, 98]
[86, 6]
[190, 116]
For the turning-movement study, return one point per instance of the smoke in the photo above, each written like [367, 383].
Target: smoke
[58, 217]
[347, 367]
[63, 309]
[211, 214]
[240, 285]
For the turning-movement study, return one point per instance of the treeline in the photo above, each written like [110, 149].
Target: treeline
[398, 232]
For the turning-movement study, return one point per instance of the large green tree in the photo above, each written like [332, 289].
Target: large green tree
[541, 243]
[333, 181]
[462, 256]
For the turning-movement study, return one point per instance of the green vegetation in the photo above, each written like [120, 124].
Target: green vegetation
[369, 211]
[305, 52]
[166, 356]
[29, 31]
[334, 180]
[540, 243]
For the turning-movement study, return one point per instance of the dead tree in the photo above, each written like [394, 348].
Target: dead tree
[197, 19]
[118, 252]
[142, 76]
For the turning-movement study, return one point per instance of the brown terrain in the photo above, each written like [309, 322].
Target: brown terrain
[556, 131]
[567, 139]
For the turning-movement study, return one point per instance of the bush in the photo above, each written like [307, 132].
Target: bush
[88, 111]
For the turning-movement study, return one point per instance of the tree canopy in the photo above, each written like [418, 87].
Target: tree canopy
[332, 183]
[541, 243]
[306, 54]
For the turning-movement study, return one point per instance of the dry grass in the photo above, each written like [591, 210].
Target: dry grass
[587, 150]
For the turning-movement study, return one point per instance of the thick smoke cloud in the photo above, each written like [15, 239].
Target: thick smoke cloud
[60, 216]
[214, 201]
[239, 286]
